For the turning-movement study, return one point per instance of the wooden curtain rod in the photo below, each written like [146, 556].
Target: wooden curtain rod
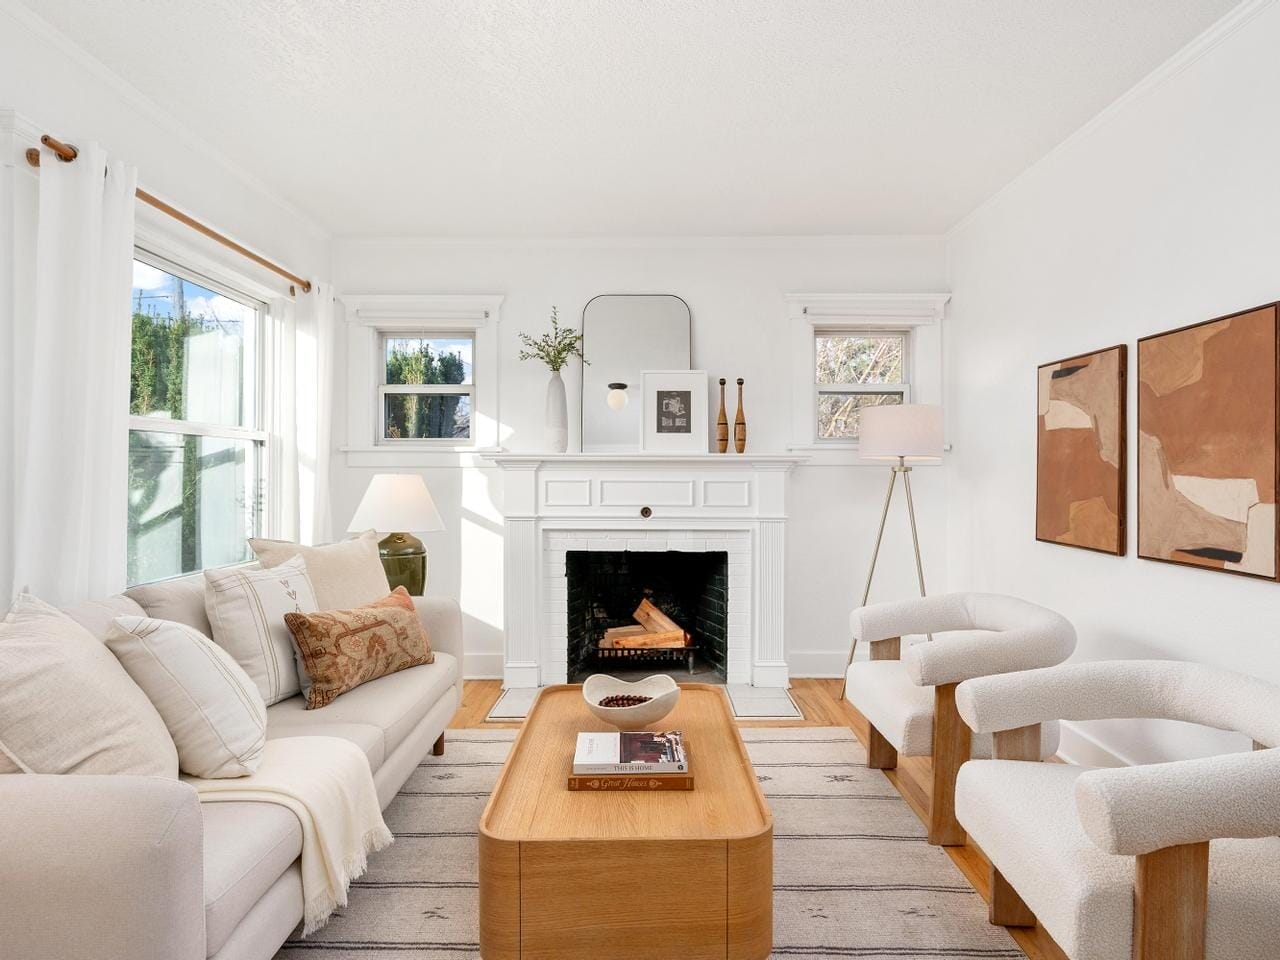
[66, 153]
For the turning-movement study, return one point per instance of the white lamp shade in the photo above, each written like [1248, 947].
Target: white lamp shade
[909, 430]
[396, 503]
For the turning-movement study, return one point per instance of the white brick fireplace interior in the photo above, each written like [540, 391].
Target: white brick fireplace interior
[595, 502]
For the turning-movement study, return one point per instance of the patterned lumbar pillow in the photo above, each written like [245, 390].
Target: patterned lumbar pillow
[344, 575]
[214, 712]
[246, 609]
[66, 704]
[341, 649]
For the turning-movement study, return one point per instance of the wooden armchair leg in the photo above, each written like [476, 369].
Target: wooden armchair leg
[951, 743]
[1170, 899]
[437, 748]
[881, 754]
[1006, 907]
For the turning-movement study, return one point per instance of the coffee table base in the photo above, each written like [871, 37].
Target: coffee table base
[626, 899]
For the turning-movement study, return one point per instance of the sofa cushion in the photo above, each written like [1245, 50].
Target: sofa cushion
[882, 692]
[99, 616]
[66, 704]
[345, 574]
[247, 846]
[282, 722]
[394, 703]
[1024, 817]
[180, 599]
[247, 610]
[213, 710]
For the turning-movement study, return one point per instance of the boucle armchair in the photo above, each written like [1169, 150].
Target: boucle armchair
[1168, 861]
[908, 695]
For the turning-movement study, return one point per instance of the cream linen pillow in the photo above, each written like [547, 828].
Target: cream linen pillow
[66, 704]
[214, 712]
[345, 575]
[247, 608]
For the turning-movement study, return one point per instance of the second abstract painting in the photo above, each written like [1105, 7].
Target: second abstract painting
[1207, 444]
[1080, 451]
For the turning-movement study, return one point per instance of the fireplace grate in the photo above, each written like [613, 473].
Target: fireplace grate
[642, 655]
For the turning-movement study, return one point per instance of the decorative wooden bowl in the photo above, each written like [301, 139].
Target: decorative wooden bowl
[662, 690]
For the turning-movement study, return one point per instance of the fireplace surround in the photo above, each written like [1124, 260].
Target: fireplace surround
[560, 505]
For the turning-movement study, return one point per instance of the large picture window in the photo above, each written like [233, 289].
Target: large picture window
[427, 386]
[197, 450]
[854, 370]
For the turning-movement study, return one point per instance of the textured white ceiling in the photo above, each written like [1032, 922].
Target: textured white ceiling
[633, 117]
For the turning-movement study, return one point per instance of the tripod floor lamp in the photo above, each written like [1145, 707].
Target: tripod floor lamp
[903, 433]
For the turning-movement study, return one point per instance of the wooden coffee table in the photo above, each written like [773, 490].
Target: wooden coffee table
[633, 876]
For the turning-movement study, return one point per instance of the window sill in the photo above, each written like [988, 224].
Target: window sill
[412, 455]
[846, 455]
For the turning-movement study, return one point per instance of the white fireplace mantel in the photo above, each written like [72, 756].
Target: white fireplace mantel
[553, 503]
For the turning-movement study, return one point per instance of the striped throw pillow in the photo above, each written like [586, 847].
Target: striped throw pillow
[214, 712]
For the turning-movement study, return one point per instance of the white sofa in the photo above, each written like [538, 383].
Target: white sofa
[136, 868]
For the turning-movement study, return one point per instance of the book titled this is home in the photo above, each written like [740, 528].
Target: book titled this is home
[602, 754]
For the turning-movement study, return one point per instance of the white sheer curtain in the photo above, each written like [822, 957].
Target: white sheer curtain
[10, 300]
[70, 384]
[305, 403]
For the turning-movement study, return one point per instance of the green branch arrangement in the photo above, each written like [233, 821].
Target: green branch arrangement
[555, 348]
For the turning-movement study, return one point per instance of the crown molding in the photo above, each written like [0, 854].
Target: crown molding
[679, 242]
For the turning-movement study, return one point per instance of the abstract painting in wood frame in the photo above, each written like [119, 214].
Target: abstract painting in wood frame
[1208, 396]
[1081, 452]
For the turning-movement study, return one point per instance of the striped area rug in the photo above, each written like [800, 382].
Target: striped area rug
[854, 876]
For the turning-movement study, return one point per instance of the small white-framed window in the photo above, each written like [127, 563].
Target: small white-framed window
[198, 451]
[856, 368]
[426, 386]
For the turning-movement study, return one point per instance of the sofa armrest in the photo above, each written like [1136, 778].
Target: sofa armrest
[1135, 810]
[100, 866]
[443, 619]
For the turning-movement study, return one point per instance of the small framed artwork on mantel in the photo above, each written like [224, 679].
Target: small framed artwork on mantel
[673, 417]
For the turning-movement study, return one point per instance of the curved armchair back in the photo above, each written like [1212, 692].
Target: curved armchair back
[1013, 635]
[1129, 690]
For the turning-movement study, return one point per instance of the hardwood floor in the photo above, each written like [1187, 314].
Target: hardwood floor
[822, 706]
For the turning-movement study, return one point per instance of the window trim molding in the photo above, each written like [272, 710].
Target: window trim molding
[368, 317]
[920, 315]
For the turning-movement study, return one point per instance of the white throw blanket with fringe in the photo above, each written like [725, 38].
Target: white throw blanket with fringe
[326, 782]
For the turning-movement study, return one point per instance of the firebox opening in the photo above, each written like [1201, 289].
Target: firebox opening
[606, 588]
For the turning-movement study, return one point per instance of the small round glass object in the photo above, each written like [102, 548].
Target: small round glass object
[617, 398]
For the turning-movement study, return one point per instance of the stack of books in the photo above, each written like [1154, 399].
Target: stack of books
[631, 761]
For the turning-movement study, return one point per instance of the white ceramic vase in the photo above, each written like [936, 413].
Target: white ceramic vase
[557, 415]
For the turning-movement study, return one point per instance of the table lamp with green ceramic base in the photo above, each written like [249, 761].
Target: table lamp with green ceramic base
[399, 502]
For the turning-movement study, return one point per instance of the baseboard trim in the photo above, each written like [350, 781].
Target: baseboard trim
[482, 666]
[822, 664]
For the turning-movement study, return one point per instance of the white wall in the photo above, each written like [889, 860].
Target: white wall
[1162, 213]
[735, 289]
